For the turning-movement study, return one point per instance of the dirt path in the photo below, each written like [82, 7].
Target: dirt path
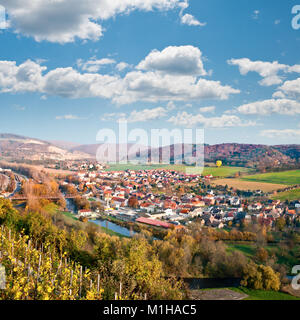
[216, 294]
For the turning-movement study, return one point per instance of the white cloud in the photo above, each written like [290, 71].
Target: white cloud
[224, 121]
[122, 66]
[208, 109]
[182, 60]
[191, 21]
[147, 115]
[277, 21]
[69, 117]
[152, 86]
[287, 133]
[279, 95]
[290, 88]
[27, 77]
[187, 18]
[69, 83]
[66, 20]
[137, 116]
[267, 70]
[268, 107]
[94, 65]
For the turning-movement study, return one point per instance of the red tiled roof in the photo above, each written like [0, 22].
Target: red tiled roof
[154, 222]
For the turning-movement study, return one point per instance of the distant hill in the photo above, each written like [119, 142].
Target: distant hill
[246, 155]
[262, 157]
[252, 155]
[24, 148]
[67, 145]
[92, 149]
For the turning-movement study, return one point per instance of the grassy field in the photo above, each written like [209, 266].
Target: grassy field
[288, 195]
[69, 215]
[247, 249]
[285, 177]
[264, 295]
[216, 172]
[224, 171]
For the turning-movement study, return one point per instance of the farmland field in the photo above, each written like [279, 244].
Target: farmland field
[286, 177]
[216, 172]
[249, 185]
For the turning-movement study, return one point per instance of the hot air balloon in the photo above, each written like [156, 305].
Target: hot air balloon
[219, 163]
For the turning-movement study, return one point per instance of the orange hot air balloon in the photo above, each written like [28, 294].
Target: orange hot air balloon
[219, 163]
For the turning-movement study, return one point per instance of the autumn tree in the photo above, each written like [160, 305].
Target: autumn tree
[260, 277]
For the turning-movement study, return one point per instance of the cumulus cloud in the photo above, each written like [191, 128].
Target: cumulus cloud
[69, 83]
[94, 65]
[267, 70]
[287, 133]
[271, 106]
[289, 88]
[191, 20]
[65, 21]
[154, 86]
[224, 121]
[27, 77]
[182, 60]
[155, 83]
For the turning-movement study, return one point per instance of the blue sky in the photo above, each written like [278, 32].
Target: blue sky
[231, 67]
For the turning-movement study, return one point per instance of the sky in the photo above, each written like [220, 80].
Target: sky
[69, 68]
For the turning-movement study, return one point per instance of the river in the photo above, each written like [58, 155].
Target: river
[114, 227]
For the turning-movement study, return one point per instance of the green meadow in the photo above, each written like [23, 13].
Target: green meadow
[286, 177]
[222, 172]
[290, 195]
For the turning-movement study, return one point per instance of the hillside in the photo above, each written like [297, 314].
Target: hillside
[24, 148]
[233, 154]
[262, 157]
[250, 155]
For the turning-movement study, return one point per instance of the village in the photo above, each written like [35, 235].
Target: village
[170, 199]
